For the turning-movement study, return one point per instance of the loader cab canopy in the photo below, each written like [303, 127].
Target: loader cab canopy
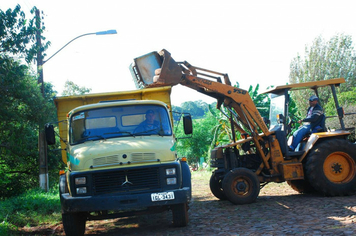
[280, 99]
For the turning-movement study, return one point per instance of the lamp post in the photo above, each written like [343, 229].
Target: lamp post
[96, 33]
[42, 144]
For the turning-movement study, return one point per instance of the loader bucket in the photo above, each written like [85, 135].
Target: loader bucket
[155, 70]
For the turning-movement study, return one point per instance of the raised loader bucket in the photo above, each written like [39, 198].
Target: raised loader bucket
[155, 70]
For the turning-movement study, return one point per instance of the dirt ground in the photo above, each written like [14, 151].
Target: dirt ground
[279, 210]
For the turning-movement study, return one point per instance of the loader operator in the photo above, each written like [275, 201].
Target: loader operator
[311, 124]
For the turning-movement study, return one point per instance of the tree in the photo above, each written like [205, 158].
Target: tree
[23, 106]
[18, 34]
[70, 88]
[324, 60]
[21, 111]
[262, 101]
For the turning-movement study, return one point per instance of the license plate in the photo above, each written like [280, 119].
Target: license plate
[162, 196]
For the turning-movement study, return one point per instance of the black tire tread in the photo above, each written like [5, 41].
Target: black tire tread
[314, 168]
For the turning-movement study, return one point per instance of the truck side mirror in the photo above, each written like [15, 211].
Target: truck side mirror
[187, 124]
[50, 136]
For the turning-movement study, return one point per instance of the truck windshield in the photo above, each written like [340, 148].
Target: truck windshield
[119, 121]
[277, 107]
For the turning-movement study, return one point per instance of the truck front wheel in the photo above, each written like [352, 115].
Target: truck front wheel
[241, 186]
[74, 223]
[180, 215]
[331, 167]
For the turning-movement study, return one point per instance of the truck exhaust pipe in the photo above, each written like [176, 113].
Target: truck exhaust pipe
[155, 70]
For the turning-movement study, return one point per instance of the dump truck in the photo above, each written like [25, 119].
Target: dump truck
[117, 167]
[324, 163]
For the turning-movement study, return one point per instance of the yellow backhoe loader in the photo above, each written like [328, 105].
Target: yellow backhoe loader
[324, 162]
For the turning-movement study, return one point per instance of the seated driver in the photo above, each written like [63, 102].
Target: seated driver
[150, 124]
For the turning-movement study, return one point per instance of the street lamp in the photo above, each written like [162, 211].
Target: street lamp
[96, 33]
[42, 144]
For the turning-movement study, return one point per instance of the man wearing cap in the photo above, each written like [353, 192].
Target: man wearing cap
[150, 125]
[311, 123]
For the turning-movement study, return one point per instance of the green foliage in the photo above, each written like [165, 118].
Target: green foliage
[18, 34]
[32, 208]
[196, 108]
[348, 101]
[346, 98]
[324, 60]
[198, 145]
[70, 88]
[23, 108]
[262, 101]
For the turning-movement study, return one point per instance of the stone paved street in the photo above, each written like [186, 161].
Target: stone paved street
[279, 210]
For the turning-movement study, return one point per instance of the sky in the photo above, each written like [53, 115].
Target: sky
[253, 42]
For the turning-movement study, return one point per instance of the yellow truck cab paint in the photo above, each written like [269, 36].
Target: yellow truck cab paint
[121, 157]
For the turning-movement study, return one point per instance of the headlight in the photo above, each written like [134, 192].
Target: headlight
[81, 190]
[171, 171]
[171, 181]
[80, 180]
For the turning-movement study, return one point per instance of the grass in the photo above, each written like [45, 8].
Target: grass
[33, 208]
[36, 207]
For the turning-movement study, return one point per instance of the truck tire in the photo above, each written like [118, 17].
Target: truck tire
[331, 168]
[216, 187]
[180, 215]
[74, 223]
[241, 186]
[301, 186]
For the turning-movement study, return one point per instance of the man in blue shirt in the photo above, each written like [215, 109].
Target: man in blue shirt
[312, 122]
[150, 125]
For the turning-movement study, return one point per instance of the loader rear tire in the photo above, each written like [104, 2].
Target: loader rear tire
[241, 186]
[331, 168]
[301, 186]
[216, 187]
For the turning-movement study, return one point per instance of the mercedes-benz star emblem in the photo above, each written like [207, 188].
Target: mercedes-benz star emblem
[126, 181]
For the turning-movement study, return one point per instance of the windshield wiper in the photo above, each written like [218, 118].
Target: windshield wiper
[120, 132]
[156, 132]
[82, 140]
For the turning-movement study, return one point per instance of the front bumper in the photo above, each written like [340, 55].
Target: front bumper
[111, 202]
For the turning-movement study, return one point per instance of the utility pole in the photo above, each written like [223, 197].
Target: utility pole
[42, 145]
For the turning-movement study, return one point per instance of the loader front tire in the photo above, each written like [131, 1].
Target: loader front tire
[331, 168]
[241, 186]
[216, 187]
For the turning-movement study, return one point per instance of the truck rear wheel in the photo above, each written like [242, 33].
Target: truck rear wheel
[74, 223]
[331, 168]
[216, 187]
[180, 215]
[241, 186]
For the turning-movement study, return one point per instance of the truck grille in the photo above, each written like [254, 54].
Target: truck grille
[129, 180]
